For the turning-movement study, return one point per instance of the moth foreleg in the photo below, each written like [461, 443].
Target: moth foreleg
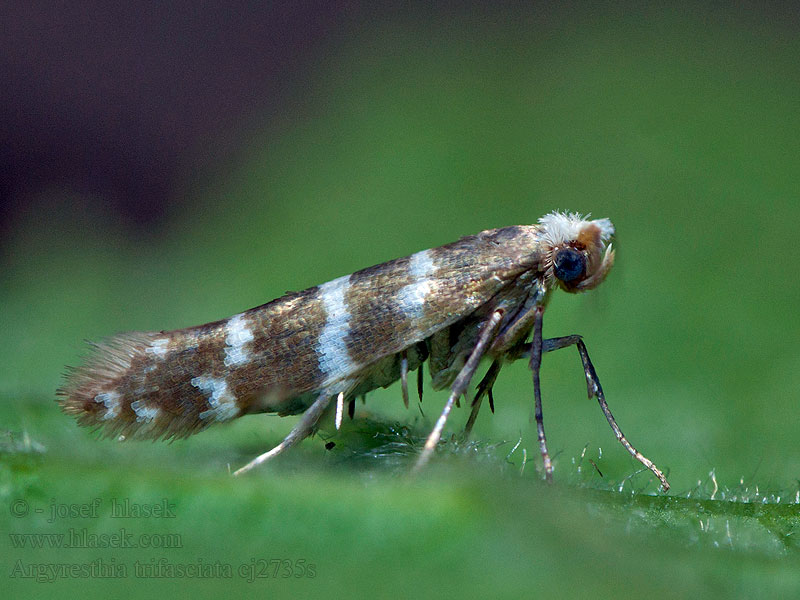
[595, 390]
[460, 384]
[299, 433]
[548, 345]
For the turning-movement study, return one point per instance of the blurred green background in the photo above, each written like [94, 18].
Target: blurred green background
[407, 131]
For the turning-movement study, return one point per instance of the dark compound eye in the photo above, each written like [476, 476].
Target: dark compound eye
[569, 265]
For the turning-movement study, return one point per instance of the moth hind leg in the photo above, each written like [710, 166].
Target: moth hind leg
[300, 431]
[460, 384]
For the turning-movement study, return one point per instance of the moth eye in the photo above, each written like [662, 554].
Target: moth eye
[569, 265]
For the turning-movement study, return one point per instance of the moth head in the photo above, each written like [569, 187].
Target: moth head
[577, 253]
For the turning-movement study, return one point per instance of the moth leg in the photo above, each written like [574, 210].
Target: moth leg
[299, 433]
[514, 332]
[484, 388]
[508, 343]
[548, 345]
[535, 364]
[595, 390]
[404, 376]
[487, 383]
[422, 350]
[339, 410]
[460, 385]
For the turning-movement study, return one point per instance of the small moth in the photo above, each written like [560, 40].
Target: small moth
[482, 296]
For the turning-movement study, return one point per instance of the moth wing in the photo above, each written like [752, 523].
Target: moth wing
[394, 305]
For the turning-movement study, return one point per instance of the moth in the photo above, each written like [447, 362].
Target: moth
[483, 296]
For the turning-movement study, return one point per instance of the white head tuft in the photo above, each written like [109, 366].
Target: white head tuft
[558, 228]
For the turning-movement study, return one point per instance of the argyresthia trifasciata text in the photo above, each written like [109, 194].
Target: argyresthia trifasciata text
[481, 296]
